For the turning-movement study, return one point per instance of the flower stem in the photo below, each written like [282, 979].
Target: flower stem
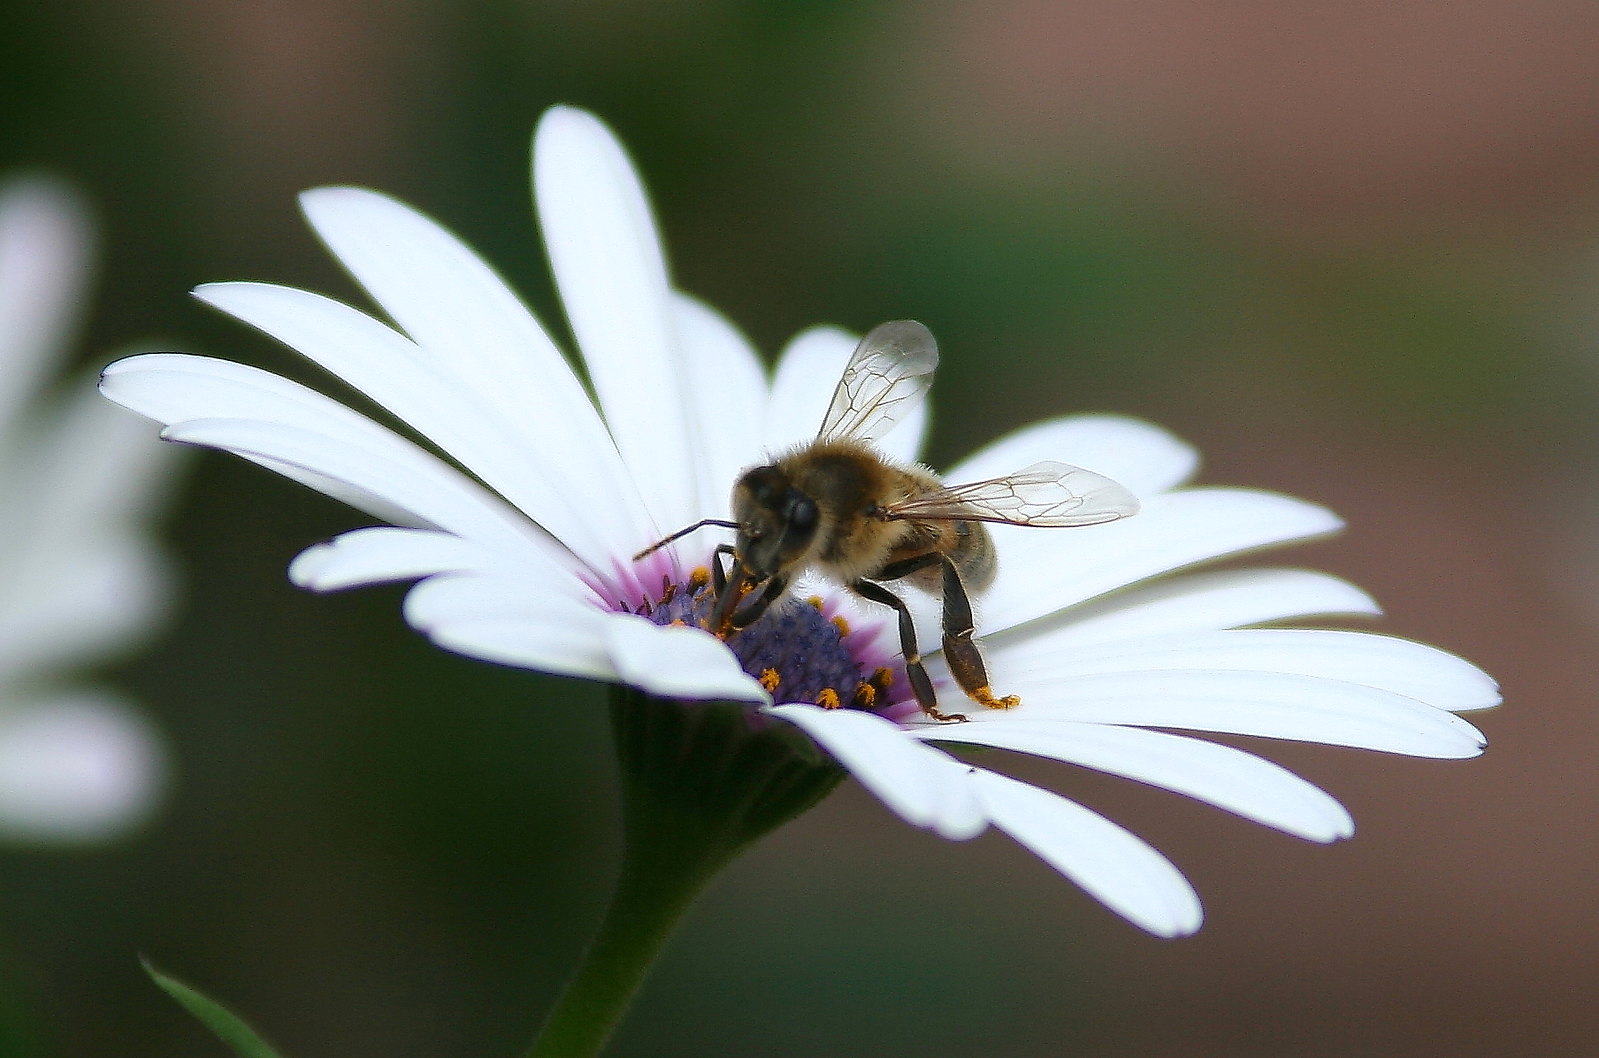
[701, 781]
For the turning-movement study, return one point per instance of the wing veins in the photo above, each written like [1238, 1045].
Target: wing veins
[889, 371]
[1047, 494]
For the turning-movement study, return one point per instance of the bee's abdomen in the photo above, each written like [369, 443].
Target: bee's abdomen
[974, 555]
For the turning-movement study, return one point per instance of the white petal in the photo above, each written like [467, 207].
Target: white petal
[1045, 570]
[1114, 866]
[726, 398]
[507, 620]
[99, 463]
[174, 388]
[1267, 704]
[380, 466]
[1220, 775]
[1141, 456]
[1414, 670]
[498, 618]
[553, 645]
[925, 787]
[577, 491]
[677, 662]
[802, 387]
[44, 254]
[53, 616]
[79, 766]
[314, 439]
[382, 554]
[463, 316]
[78, 577]
[449, 301]
[608, 266]
[499, 591]
[1198, 602]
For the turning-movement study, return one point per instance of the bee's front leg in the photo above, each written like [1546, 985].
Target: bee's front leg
[719, 571]
[775, 587]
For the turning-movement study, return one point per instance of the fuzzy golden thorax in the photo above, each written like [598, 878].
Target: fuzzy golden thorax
[827, 506]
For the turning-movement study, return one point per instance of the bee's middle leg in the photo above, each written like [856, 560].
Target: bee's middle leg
[915, 671]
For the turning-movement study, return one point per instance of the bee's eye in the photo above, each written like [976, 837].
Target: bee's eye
[802, 514]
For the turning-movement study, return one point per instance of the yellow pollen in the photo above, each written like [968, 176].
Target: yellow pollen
[865, 696]
[816, 601]
[883, 677]
[699, 578]
[842, 626]
[985, 696]
[769, 680]
[828, 699]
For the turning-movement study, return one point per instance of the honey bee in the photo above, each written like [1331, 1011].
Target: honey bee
[841, 507]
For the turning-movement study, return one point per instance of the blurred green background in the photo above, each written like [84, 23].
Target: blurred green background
[1350, 252]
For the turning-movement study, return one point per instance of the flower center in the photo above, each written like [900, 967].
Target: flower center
[801, 650]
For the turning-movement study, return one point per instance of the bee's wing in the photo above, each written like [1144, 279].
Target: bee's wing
[891, 367]
[1044, 494]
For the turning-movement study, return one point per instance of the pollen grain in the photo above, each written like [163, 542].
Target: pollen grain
[985, 696]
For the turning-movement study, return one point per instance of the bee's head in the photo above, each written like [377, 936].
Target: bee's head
[776, 522]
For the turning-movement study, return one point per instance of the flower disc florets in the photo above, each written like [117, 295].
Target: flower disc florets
[801, 650]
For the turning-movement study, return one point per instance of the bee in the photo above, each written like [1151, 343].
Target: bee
[841, 507]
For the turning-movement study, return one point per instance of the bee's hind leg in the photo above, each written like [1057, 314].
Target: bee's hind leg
[960, 649]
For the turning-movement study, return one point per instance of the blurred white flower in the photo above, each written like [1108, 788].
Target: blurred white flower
[79, 579]
[523, 547]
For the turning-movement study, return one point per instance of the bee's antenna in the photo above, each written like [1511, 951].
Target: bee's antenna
[701, 524]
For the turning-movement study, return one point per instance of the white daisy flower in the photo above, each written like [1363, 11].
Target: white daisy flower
[79, 578]
[523, 538]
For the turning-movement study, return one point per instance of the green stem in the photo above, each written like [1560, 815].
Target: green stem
[701, 781]
[643, 912]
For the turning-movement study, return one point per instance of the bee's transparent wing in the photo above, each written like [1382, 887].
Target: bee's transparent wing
[890, 369]
[1044, 494]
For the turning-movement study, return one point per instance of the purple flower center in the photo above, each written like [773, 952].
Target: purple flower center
[798, 649]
